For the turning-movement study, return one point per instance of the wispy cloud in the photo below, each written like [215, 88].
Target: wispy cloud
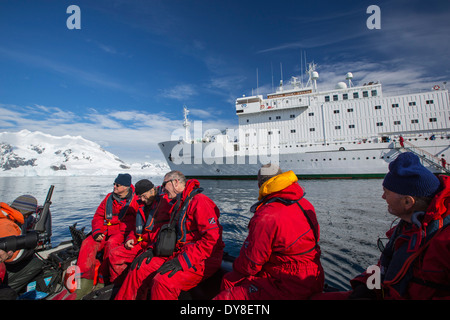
[317, 41]
[180, 92]
[88, 77]
[203, 114]
[105, 48]
[419, 37]
[321, 30]
[396, 77]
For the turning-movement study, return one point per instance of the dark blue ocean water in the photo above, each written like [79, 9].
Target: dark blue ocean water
[351, 213]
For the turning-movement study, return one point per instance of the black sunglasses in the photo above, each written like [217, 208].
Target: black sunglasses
[165, 182]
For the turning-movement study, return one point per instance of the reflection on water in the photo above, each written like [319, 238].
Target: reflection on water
[351, 213]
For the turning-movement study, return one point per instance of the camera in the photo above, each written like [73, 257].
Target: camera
[13, 243]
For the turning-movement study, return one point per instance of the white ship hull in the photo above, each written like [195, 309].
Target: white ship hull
[358, 161]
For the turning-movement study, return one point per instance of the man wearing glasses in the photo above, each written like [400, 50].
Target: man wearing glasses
[198, 249]
[113, 219]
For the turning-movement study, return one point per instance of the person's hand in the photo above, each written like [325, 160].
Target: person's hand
[99, 237]
[144, 255]
[5, 255]
[129, 244]
[173, 265]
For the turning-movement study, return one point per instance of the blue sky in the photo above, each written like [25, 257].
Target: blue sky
[123, 78]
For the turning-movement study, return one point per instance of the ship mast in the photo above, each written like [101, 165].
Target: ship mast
[313, 76]
[186, 123]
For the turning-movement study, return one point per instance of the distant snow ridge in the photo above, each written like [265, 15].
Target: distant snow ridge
[26, 153]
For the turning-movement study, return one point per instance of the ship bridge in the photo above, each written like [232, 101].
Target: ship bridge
[281, 100]
[249, 104]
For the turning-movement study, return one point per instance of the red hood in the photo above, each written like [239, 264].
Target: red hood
[190, 185]
[440, 206]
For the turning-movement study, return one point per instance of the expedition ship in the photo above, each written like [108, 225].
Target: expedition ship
[348, 132]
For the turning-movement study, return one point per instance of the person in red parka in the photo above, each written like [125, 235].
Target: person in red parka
[113, 220]
[198, 250]
[415, 263]
[152, 213]
[280, 259]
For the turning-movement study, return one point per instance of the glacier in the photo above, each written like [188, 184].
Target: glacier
[26, 153]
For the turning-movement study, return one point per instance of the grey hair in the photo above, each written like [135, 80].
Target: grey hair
[423, 202]
[267, 172]
[176, 175]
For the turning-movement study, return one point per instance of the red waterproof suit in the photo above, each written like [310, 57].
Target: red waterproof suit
[416, 262]
[2, 272]
[149, 220]
[114, 226]
[199, 250]
[280, 259]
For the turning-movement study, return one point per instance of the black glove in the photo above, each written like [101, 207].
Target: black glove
[138, 260]
[173, 265]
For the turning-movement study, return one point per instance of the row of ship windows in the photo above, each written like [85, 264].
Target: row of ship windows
[352, 126]
[344, 159]
[355, 95]
[335, 97]
[377, 107]
[366, 94]
[354, 142]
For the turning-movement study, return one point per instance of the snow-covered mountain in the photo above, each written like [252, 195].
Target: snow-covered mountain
[26, 153]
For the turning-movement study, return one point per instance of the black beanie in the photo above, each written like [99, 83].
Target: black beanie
[408, 176]
[123, 179]
[143, 186]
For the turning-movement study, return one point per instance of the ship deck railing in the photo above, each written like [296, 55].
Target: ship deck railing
[422, 154]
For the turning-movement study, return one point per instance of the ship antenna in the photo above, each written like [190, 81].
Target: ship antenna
[281, 81]
[271, 69]
[301, 68]
[305, 63]
[186, 123]
[257, 82]
[281, 69]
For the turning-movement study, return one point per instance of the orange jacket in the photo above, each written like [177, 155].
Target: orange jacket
[11, 222]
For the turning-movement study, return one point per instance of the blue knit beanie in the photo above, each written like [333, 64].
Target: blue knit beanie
[407, 176]
[123, 179]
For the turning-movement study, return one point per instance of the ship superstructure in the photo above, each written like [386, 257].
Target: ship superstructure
[350, 131]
